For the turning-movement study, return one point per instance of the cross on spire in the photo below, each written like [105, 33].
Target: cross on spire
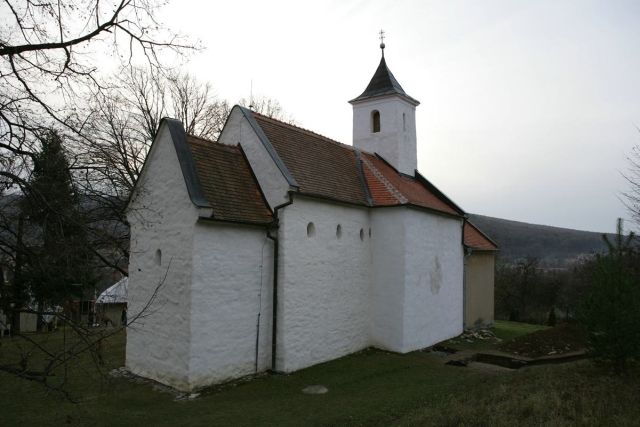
[381, 33]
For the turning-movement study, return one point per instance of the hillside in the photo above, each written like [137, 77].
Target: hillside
[555, 247]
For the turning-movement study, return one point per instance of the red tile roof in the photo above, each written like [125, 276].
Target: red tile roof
[476, 239]
[321, 166]
[324, 167]
[390, 187]
[228, 183]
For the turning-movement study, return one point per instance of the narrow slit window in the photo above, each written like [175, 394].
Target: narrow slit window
[311, 230]
[375, 121]
[158, 257]
[404, 122]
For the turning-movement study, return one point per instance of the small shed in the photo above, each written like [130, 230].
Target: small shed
[479, 277]
[111, 303]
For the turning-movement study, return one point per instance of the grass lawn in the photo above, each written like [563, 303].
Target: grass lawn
[368, 388]
[506, 330]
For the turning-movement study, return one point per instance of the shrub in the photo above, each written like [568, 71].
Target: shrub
[611, 310]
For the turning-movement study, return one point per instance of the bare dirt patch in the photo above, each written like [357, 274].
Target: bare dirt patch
[564, 338]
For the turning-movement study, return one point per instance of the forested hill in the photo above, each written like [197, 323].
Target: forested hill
[555, 247]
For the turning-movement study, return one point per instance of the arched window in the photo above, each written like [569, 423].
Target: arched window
[158, 257]
[361, 234]
[375, 121]
[339, 231]
[311, 230]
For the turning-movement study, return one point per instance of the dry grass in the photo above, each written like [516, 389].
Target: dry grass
[369, 388]
[560, 395]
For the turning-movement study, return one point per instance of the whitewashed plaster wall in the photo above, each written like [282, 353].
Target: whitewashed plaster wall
[396, 141]
[232, 285]
[323, 293]
[433, 299]
[387, 285]
[272, 183]
[161, 217]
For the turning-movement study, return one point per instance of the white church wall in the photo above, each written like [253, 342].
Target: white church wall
[271, 181]
[433, 299]
[396, 141]
[232, 285]
[323, 294]
[162, 219]
[387, 285]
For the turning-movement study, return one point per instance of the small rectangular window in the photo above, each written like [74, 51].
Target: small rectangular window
[375, 121]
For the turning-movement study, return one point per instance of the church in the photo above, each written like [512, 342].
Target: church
[276, 248]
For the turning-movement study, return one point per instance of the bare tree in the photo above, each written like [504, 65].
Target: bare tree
[125, 120]
[201, 113]
[632, 176]
[267, 107]
[53, 56]
[50, 59]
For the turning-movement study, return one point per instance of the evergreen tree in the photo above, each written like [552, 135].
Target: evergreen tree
[611, 311]
[60, 256]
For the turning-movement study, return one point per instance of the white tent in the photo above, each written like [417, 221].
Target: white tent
[116, 294]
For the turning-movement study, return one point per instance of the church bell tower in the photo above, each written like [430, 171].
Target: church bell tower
[384, 119]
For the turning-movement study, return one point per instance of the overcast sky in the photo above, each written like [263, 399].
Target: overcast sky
[528, 108]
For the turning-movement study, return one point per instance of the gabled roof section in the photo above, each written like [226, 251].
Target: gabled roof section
[228, 183]
[476, 239]
[178, 136]
[389, 187]
[383, 83]
[328, 169]
[320, 166]
[248, 115]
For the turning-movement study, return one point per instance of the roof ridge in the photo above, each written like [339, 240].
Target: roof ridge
[201, 139]
[301, 129]
[388, 185]
[312, 133]
[210, 143]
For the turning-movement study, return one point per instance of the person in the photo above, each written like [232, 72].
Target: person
[123, 318]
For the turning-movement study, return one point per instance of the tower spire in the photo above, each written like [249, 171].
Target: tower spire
[384, 119]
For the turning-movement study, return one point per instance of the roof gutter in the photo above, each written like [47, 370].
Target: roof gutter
[274, 314]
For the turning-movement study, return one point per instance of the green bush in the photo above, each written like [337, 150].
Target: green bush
[611, 310]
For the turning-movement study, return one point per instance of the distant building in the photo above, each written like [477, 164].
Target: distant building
[278, 248]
